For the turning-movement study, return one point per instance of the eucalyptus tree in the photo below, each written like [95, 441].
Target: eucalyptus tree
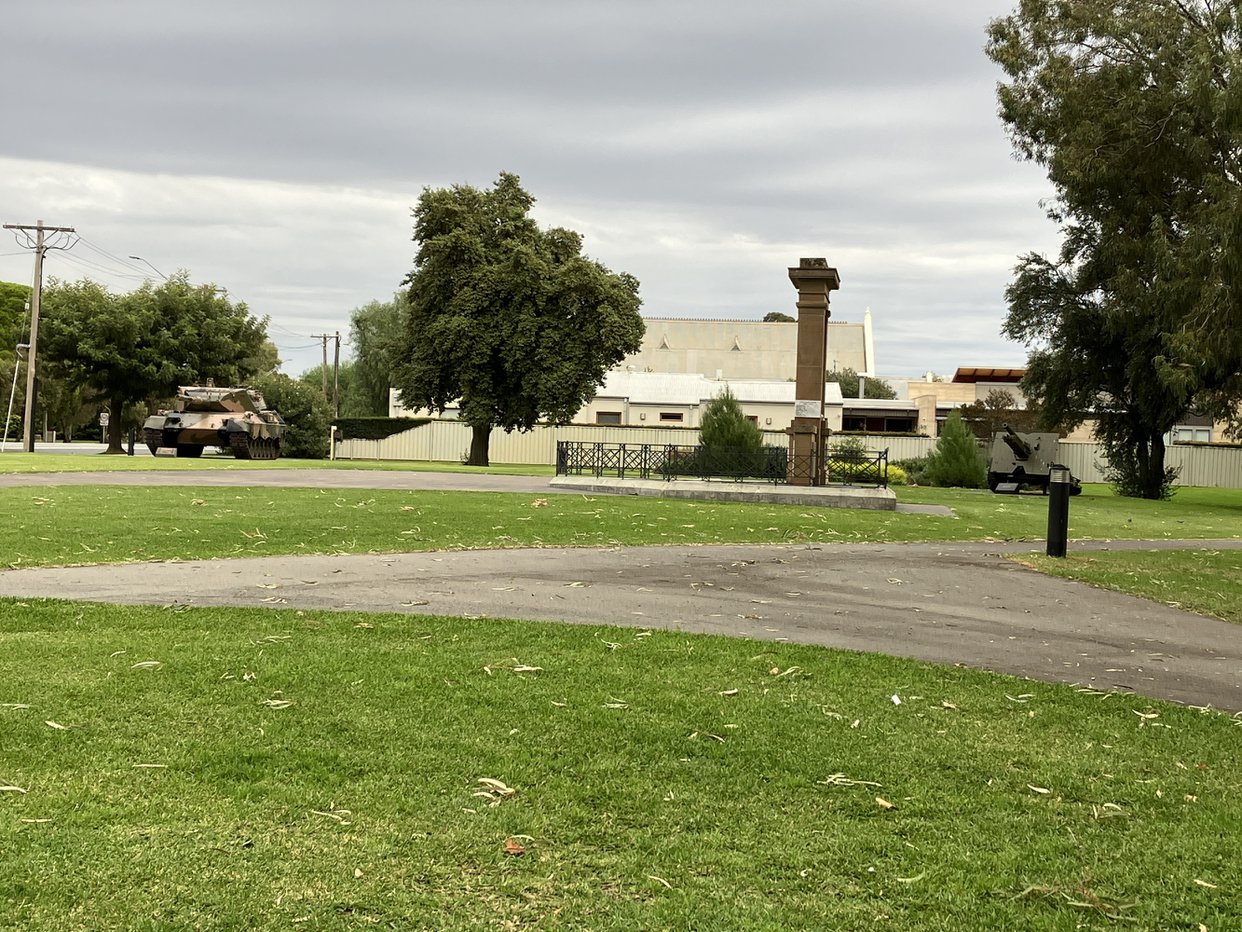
[1134, 108]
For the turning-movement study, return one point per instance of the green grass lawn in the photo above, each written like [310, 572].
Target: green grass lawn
[274, 769]
[80, 462]
[1204, 581]
[101, 524]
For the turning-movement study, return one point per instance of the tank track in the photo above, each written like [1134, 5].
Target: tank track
[245, 447]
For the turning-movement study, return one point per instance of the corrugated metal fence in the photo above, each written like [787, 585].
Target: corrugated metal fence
[449, 441]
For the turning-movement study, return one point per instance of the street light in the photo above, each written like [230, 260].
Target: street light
[17, 358]
[151, 267]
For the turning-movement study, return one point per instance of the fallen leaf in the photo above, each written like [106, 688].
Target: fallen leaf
[513, 848]
[884, 803]
[1038, 789]
[357, 873]
[57, 725]
[146, 665]
[1204, 883]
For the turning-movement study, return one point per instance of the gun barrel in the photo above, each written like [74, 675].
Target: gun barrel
[1021, 449]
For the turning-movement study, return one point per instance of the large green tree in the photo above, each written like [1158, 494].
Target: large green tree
[135, 347]
[1134, 107]
[512, 320]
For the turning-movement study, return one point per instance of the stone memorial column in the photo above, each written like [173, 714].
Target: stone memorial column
[814, 279]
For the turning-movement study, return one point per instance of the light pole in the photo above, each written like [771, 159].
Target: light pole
[151, 267]
[17, 364]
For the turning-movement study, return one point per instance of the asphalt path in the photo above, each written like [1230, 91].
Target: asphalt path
[949, 603]
[942, 602]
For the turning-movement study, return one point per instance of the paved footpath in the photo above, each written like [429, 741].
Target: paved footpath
[950, 603]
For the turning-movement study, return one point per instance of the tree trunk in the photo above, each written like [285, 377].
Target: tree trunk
[116, 409]
[479, 438]
[1151, 467]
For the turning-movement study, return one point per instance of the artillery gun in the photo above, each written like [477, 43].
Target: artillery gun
[234, 419]
[1024, 460]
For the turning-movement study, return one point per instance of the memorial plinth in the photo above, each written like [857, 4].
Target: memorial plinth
[808, 437]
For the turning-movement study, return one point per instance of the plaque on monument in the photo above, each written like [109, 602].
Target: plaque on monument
[811, 408]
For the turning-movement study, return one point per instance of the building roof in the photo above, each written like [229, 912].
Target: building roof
[988, 375]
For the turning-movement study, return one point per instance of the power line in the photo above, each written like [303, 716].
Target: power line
[115, 258]
[84, 263]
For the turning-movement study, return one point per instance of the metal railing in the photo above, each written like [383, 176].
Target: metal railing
[855, 467]
[671, 461]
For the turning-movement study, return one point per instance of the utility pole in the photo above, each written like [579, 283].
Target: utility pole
[40, 247]
[336, 378]
[324, 369]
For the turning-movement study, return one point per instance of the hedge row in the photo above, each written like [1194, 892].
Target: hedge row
[376, 428]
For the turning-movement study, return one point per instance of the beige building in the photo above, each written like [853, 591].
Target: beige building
[745, 349]
[678, 399]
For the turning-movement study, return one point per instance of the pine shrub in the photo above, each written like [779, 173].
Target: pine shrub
[956, 460]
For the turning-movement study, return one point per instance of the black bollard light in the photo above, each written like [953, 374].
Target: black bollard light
[1058, 510]
[133, 436]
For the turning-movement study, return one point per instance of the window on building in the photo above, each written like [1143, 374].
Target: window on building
[671, 417]
[607, 417]
[753, 418]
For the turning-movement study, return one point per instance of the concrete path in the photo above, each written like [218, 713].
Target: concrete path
[950, 603]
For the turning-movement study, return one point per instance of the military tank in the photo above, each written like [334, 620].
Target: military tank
[1020, 460]
[234, 419]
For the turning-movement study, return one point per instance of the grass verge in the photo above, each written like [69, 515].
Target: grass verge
[108, 524]
[1205, 581]
[262, 769]
[33, 463]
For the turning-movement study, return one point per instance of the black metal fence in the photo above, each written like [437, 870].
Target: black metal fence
[671, 461]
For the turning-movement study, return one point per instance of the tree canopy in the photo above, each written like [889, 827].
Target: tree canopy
[778, 317]
[988, 415]
[141, 345]
[512, 320]
[1134, 107]
[374, 331]
[847, 378]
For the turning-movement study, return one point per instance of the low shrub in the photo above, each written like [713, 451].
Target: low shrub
[915, 470]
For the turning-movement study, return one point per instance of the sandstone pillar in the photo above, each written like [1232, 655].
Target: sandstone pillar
[814, 279]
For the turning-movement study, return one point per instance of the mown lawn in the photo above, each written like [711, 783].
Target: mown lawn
[99, 524]
[19, 463]
[1205, 580]
[276, 769]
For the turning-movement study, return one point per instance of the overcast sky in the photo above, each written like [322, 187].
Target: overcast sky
[277, 148]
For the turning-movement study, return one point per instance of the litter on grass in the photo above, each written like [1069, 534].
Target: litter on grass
[494, 791]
